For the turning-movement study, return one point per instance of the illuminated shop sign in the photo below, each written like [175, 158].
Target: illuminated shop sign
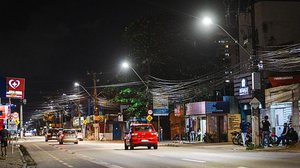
[15, 87]
[244, 89]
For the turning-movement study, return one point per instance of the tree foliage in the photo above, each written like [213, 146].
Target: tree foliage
[136, 101]
[163, 46]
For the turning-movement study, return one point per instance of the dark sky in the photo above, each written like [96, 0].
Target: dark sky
[53, 43]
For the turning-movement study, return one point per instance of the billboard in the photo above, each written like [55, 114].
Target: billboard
[4, 111]
[160, 105]
[205, 107]
[15, 87]
[195, 108]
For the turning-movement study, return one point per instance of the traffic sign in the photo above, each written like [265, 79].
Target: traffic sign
[85, 122]
[255, 103]
[15, 115]
[150, 112]
[17, 121]
[149, 118]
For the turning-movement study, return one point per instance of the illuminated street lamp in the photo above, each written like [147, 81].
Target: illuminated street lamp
[126, 65]
[76, 84]
[208, 21]
[254, 115]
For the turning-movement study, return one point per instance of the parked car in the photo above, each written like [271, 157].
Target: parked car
[28, 134]
[52, 134]
[79, 135]
[68, 135]
[141, 135]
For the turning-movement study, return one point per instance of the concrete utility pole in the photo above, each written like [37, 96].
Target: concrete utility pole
[256, 83]
[255, 121]
[96, 110]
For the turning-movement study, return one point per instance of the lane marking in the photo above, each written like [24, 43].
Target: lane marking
[60, 161]
[191, 160]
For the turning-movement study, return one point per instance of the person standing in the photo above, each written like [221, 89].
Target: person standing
[161, 134]
[244, 130]
[199, 135]
[266, 131]
[4, 138]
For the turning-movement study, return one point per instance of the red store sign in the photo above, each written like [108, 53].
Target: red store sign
[15, 87]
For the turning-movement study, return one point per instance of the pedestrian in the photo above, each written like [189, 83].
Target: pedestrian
[4, 138]
[283, 136]
[199, 135]
[266, 131]
[192, 135]
[244, 130]
[161, 133]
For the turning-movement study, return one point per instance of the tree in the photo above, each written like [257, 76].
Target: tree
[163, 46]
[136, 99]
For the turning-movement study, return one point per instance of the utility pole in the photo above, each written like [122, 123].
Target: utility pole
[256, 82]
[96, 110]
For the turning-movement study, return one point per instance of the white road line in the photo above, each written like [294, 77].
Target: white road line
[99, 162]
[191, 160]
[60, 161]
[157, 155]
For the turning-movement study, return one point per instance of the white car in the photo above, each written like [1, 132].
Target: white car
[28, 134]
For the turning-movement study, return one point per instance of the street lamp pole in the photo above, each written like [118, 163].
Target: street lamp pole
[126, 65]
[76, 84]
[208, 21]
[254, 111]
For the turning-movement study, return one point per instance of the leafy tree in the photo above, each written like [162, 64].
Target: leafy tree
[163, 46]
[136, 99]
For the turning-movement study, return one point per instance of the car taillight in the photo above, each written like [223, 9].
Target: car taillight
[134, 134]
[154, 133]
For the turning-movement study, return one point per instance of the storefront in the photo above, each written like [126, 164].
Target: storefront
[195, 118]
[209, 118]
[282, 106]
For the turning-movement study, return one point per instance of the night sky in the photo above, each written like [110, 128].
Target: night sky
[54, 43]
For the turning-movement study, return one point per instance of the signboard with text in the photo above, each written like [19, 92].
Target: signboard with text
[160, 105]
[15, 87]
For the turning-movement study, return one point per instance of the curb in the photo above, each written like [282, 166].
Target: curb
[27, 160]
[22, 158]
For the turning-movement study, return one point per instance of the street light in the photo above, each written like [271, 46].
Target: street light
[255, 119]
[126, 65]
[76, 84]
[208, 21]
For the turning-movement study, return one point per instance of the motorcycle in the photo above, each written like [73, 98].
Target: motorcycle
[236, 138]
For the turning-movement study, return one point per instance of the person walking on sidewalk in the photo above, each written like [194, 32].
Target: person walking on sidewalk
[4, 138]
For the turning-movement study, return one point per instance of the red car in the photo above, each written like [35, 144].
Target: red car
[141, 135]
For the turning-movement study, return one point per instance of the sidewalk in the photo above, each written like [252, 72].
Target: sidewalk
[230, 146]
[13, 159]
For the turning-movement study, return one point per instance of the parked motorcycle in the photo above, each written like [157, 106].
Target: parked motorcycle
[236, 138]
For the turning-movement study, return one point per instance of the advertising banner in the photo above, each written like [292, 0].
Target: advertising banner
[234, 121]
[160, 105]
[15, 87]
[205, 107]
[195, 108]
[4, 111]
[284, 80]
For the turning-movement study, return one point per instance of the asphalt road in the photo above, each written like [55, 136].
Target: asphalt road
[112, 155]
